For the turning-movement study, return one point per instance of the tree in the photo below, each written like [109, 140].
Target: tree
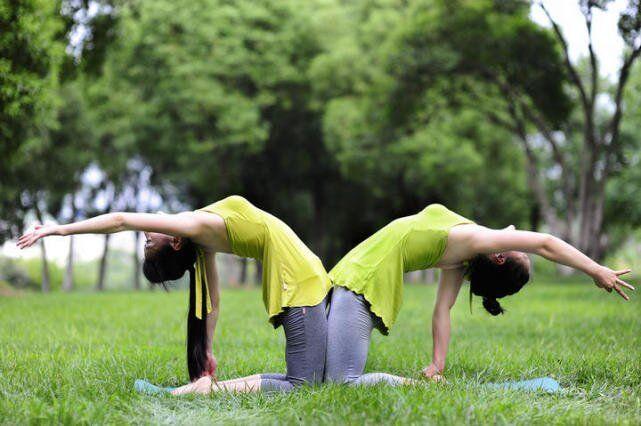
[530, 69]
[398, 135]
[603, 147]
[30, 55]
[217, 99]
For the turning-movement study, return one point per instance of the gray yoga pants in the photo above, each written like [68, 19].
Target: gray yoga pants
[349, 328]
[306, 342]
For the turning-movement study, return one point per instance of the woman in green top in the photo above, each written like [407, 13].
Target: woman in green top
[295, 284]
[369, 281]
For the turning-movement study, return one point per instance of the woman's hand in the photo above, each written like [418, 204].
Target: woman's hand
[609, 280]
[433, 373]
[40, 231]
[212, 365]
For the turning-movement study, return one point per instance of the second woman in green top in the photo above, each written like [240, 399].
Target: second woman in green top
[369, 281]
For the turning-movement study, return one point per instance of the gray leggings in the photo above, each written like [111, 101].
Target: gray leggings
[306, 342]
[349, 328]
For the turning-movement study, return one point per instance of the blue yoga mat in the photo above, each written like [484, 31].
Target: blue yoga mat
[542, 384]
[144, 386]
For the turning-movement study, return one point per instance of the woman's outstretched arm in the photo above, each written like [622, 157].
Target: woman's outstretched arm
[551, 248]
[185, 224]
[448, 289]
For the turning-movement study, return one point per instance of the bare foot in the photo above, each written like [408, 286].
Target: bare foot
[201, 386]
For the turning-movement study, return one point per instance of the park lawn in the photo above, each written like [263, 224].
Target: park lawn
[73, 359]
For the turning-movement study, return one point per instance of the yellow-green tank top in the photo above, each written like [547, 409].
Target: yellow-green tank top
[292, 274]
[375, 267]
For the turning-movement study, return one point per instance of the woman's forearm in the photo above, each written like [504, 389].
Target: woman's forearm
[214, 295]
[212, 320]
[559, 251]
[103, 224]
[440, 336]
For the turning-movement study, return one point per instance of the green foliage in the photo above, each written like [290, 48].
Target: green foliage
[30, 55]
[394, 122]
[216, 97]
[624, 192]
[16, 275]
[313, 110]
[74, 358]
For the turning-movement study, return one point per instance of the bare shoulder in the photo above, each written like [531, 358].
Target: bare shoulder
[205, 218]
[459, 244]
[213, 235]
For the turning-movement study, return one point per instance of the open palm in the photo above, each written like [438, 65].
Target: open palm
[30, 238]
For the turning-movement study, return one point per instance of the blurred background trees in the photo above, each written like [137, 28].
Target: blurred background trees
[335, 116]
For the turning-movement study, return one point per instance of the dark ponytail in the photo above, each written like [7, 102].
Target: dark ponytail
[167, 264]
[492, 306]
[196, 333]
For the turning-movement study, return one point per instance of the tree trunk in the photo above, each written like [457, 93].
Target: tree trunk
[586, 191]
[46, 278]
[533, 180]
[258, 277]
[243, 271]
[67, 282]
[429, 276]
[319, 234]
[412, 277]
[136, 261]
[595, 242]
[535, 218]
[100, 285]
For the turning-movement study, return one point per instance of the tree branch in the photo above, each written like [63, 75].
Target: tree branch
[534, 178]
[615, 123]
[536, 119]
[594, 66]
[566, 55]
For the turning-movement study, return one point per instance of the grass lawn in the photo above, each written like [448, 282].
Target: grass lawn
[74, 358]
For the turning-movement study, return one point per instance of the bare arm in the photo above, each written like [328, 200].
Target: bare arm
[184, 224]
[448, 289]
[212, 317]
[551, 248]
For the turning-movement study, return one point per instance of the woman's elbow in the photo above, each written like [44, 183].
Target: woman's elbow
[546, 246]
[119, 222]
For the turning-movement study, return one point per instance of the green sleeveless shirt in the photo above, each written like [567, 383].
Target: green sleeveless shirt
[375, 267]
[292, 274]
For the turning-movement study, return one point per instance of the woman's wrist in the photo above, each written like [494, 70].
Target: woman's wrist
[57, 230]
[595, 270]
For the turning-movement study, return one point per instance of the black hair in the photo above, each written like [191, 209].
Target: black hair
[168, 264]
[493, 281]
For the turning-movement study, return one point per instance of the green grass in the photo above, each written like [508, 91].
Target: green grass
[73, 359]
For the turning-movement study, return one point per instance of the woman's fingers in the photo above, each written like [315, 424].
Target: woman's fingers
[624, 284]
[621, 293]
[27, 242]
[622, 272]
